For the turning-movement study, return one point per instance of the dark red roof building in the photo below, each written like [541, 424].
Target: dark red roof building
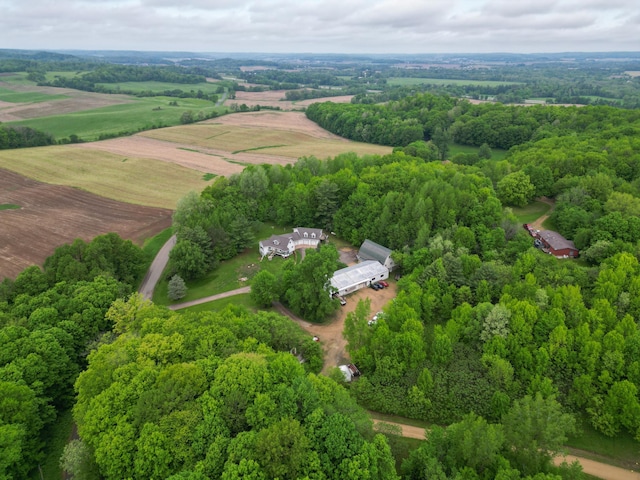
[556, 244]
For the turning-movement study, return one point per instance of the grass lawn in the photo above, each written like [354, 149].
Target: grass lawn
[228, 274]
[55, 438]
[153, 245]
[496, 153]
[408, 81]
[12, 96]
[140, 181]
[531, 212]
[140, 114]
[549, 224]
[242, 299]
[620, 450]
[9, 206]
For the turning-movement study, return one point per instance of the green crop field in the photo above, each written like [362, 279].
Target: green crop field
[162, 86]
[408, 81]
[18, 78]
[139, 181]
[11, 96]
[264, 141]
[140, 114]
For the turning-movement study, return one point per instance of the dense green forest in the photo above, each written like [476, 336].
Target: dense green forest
[512, 348]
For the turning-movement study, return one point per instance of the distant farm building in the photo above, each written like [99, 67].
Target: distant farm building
[284, 245]
[355, 277]
[556, 244]
[372, 251]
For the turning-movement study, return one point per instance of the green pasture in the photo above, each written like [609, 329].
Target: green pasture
[206, 87]
[127, 118]
[531, 212]
[12, 96]
[409, 81]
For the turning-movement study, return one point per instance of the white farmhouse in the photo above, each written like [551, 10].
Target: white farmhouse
[284, 245]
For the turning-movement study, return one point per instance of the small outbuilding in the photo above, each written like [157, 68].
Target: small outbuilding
[349, 279]
[372, 251]
[556, 244]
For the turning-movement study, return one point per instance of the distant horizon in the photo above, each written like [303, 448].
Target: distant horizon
[352, 27]
[309, 53]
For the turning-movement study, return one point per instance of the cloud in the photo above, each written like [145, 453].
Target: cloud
[350, 26]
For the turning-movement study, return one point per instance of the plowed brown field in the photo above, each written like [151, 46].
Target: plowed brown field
[52, 215]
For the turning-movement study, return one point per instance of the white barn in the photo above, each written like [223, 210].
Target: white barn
[372, 251]
[350, 279]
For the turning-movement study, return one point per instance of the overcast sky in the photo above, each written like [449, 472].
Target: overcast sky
[323, 26]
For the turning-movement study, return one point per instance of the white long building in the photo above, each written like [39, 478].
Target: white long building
[350, 279]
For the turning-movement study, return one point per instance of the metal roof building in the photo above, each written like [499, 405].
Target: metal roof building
[350, 279]
[373, 251]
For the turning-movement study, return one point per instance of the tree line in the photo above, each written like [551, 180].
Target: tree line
[23, 137]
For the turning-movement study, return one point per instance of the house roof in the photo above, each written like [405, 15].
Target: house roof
[302, 230]
[282, 241]
[555, 240]
[372, 251]
[356, 274]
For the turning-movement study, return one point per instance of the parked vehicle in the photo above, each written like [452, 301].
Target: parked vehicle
[383, 283]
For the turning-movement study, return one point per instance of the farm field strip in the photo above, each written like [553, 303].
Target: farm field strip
[446, 81]
[121, 177]
[11, 96]
[205, 87]
[134, 115]
[51, 215]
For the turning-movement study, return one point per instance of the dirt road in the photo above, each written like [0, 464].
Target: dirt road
[537, 224]
[156, 268]
[591, 467]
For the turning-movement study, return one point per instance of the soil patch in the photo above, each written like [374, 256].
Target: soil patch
[275, 98]
[330, 334]
[52, 215]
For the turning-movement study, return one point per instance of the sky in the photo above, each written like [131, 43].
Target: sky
[323, 26]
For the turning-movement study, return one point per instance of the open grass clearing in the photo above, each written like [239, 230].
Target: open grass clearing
[11, 96]
[17, 78]
[140, 181]
[408, 81]
[139, 114]
[229, 273]
[243, 300]
[55, 438]
[496, 153]
[153, 245]
[621, 450]
[531, 212]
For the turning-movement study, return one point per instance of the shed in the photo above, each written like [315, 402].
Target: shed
[372, 251]
[349, 279]
[557, 245]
